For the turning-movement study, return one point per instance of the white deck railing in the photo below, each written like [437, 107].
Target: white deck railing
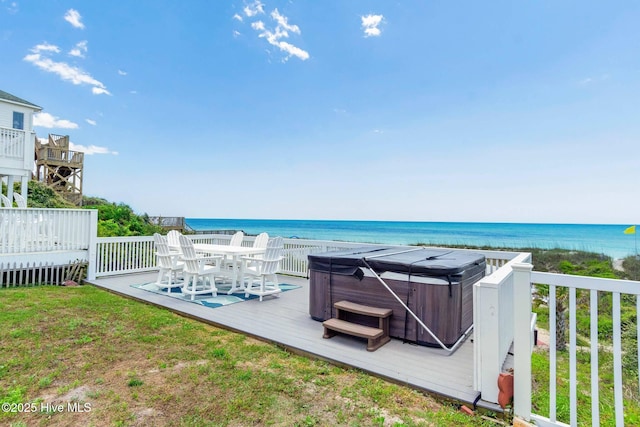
[16, 151]
[43, 230]
[120, 255]
[494, 325]
[47, 234]
[12, 143]
[571, 284]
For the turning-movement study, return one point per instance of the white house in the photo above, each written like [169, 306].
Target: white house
[17, 141]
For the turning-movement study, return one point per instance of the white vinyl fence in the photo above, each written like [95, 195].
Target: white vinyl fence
[597, 289]
[38, 245]
[44, 230]
[120, 255]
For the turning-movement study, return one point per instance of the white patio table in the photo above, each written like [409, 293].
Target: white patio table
[235, 252]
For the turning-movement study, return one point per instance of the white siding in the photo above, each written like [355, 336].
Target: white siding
[6, 115]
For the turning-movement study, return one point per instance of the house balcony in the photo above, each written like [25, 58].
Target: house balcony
[16, 152]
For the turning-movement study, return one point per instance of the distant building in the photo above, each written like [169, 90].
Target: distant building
[17, 141]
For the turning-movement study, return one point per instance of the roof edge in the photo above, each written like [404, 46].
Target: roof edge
[7, 97]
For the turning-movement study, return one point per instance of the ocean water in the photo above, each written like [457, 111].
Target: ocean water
[607, 239]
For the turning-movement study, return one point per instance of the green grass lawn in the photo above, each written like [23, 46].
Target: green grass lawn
[111, 361]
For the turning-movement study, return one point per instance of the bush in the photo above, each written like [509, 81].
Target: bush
[119, 219]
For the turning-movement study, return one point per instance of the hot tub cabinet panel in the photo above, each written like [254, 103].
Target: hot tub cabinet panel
[437, 285]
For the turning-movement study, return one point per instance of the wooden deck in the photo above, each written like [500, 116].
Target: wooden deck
[285, 320]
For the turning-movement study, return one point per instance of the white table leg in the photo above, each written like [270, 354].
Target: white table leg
[237, 271]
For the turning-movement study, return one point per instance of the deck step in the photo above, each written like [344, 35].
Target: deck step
[366, 310]
[376, 337]
[352, 328]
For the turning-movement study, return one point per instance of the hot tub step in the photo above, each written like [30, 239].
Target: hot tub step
[376, 337]
[366, 310]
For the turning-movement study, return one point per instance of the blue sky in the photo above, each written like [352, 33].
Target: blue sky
[494, 111]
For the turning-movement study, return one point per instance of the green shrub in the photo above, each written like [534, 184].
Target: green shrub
[119, 219]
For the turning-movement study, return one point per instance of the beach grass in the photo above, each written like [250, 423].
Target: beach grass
[76, 356]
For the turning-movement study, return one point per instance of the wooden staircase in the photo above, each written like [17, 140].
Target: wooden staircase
[59, 167]
[376, 337]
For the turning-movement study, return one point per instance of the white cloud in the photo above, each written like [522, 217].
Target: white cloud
[282, 29]
[45, 47]
[46, 120]
[99, 91]
[254, 9]
[91, 149]
[65, 71]
[73, 17]
[122, 73]
[236, 33]
[237, 17]
[593, 80]
[283, 22]
[79, 50]
[12, 7]
[258, 25]
[292, 50]
[370, 25]
[91, 122]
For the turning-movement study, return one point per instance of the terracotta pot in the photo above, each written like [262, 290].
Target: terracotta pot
[505, 385]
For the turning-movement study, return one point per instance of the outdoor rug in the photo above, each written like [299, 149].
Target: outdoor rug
[207, 300]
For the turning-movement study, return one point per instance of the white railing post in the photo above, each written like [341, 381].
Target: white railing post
[522, 345]
[24, 187]
[93, 245]
[486, 340]
[10, 181]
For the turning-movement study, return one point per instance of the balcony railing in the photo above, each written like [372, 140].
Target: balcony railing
[12, 143]
[61, 156]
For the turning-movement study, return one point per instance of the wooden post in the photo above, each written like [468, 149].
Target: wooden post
[522, 345]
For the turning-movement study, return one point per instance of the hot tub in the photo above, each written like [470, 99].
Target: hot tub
[435, 284]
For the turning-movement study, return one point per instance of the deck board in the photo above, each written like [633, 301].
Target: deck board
[284, 319]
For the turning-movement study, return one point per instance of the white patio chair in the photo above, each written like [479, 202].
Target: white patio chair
[173, 240]
[237, 238]
[261, 240]
[228, 263]
[20, 201]
[169, 267]
[265, 270]
[5, 201]
[199, 275]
